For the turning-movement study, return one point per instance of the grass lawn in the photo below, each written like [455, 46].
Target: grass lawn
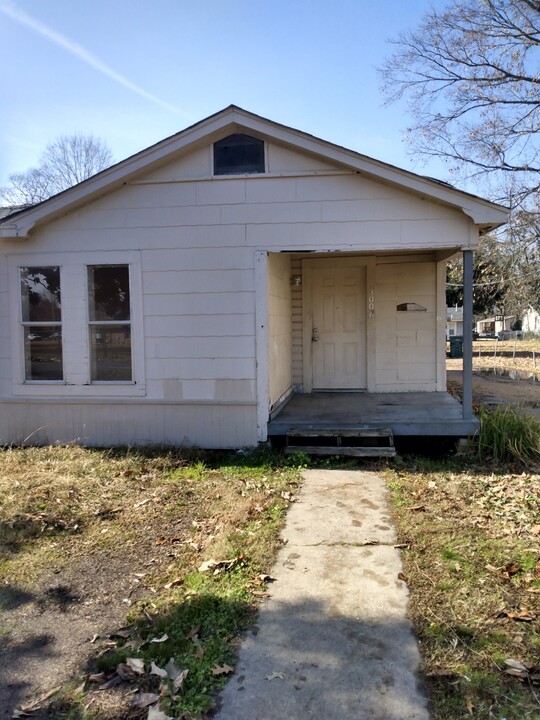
[471, 538]
[153, 563]
[178, 546]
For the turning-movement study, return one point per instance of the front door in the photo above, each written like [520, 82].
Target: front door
[338, 332]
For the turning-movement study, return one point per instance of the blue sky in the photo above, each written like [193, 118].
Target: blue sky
[133, 72]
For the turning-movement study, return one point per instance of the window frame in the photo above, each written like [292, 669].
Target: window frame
[75, 326]
[238, 174]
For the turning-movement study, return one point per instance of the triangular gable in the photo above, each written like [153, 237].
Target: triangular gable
[233, 119]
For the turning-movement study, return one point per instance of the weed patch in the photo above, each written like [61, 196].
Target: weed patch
[506, 435]
[472, 560]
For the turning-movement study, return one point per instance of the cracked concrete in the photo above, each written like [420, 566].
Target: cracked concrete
[333, 640]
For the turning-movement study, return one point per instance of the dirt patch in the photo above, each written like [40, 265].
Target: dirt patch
[54, 631]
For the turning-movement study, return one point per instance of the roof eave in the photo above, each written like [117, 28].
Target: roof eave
[483, 212]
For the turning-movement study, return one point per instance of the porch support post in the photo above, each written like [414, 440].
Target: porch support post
[467, 333]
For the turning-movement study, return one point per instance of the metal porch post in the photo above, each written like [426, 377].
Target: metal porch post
[467, 333]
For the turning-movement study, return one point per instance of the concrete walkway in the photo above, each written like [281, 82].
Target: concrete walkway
[332, 642]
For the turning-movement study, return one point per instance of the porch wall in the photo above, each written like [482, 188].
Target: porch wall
[279, 327]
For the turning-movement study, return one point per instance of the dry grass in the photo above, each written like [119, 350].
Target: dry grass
[472, 559]
[127, 531]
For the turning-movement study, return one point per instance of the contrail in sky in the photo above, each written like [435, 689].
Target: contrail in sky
[15, 13]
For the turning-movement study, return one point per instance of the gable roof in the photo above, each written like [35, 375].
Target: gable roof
[485, 214]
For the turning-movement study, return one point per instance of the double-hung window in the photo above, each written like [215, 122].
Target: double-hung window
[109, 312]
[79, 325]
[42, 323]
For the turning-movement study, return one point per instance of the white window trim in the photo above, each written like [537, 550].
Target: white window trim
[75, 334]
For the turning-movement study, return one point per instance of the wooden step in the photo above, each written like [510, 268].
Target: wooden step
[360, 442]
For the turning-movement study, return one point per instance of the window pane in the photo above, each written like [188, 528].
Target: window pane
[110, 349]
[238, 154]
[108, 290]
[43, 352]
[40, 290]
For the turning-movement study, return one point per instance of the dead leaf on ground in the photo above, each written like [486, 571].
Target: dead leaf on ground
[523, 615]
[96, 677]
[156, 670]
[174, 583]
[222, 670]
[144, 700]
[136, 664]
[402, 576]
[126, 672]
[415, 507]
[161, 639]
[522, 671]
[510, 569]
[113, 682]
[275, 676]
[123, 632]
[154, 713]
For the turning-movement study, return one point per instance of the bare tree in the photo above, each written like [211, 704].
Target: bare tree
[471, 75]
[64, 163]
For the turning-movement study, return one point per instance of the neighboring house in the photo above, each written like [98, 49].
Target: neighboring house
[454, 321]
[495, 325]
[188, 293]
[531, 321]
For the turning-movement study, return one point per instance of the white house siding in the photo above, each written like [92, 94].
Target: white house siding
[197, 238]
[279, 327]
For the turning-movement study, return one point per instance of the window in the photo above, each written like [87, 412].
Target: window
[238, 154]
[110, 323]
[42, 323]
[80, 324]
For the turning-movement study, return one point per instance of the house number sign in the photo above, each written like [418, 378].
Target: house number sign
[371, 303]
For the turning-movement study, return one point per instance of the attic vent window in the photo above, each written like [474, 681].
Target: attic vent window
[238, 154]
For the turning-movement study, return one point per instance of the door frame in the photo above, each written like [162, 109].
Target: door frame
[310, 264]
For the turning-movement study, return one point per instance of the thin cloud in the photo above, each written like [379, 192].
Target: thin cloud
[15, 13]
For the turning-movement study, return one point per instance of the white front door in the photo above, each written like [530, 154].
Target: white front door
[338, 332]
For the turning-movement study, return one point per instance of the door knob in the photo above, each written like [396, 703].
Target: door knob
[315, 335]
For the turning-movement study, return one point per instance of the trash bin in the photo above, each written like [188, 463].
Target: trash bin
[456, 346]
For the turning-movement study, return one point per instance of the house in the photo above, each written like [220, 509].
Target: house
[495, 325]
[530, 322]
[230, 283]
[454, 321]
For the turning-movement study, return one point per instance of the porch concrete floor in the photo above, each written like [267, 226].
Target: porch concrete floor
[414, 413]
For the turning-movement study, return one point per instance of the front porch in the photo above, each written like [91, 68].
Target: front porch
[407, 413]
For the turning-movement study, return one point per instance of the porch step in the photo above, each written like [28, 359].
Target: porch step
[361, 442]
